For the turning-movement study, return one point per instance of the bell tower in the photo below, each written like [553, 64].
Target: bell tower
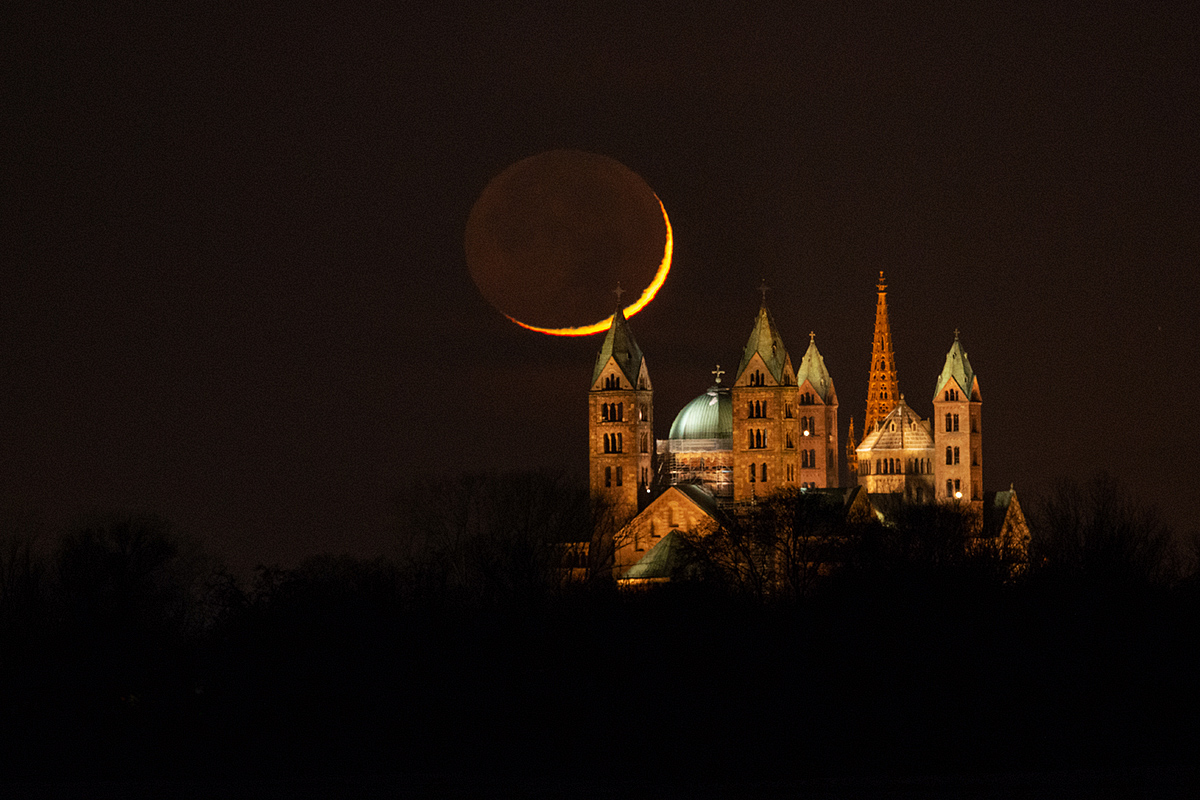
[817, 409]
[620, 424]
[958, 430]
[766, 419]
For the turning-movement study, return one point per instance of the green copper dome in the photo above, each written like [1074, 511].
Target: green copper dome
[709, 416]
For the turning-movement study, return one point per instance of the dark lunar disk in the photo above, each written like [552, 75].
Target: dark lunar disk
[552, 236]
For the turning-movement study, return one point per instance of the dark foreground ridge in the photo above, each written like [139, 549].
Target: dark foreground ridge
[125, 657]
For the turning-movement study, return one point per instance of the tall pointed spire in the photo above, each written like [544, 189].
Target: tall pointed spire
[883, 388]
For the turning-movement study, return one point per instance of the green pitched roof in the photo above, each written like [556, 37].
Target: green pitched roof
[766, 341]
[958, 366]
[709, 416]
[812, 369]
[662, 560]
[619, 344]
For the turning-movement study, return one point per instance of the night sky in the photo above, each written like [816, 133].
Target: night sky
[234, 290]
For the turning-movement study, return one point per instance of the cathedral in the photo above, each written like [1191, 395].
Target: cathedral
[775, 426]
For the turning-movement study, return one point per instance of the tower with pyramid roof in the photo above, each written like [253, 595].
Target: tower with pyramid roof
[817, 406]
[620, 424]
[766, 426]
[958, 429]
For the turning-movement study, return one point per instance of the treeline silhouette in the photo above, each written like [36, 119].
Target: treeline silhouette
[127, 652]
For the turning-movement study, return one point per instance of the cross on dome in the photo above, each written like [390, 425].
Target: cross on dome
[718, 372]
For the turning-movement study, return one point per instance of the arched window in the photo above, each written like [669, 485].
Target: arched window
[752, 471]
[620, 444]
[956, 455]
[949, 454]
[620, 412]
[949, 421]
[606, 443]
[949, 488]
[956, 422]
[608, 476]
[877, 470]
[751, 445]
[619, 472]
[764, 472]
[604, 412]
[645, 443]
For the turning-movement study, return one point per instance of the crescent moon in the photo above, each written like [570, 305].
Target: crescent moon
[642, 302]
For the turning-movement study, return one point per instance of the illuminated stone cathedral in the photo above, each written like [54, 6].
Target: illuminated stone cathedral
[775, 426]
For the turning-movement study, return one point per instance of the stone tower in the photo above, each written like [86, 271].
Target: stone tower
[766, 425]
[817, 406]
[957, 429]
[620, 424]
[883, 388]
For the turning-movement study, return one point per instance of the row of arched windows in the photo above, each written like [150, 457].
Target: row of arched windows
[753, 471]
[612, 412]
[951, 394]
[807, 399]
[808, 459]
[757, 378]
[608, 476]
[951, 422]
[613, 443]
[756, 409]
[897, 466]
[612, 382]
[951, 455]
[808, 424]
[758, 438]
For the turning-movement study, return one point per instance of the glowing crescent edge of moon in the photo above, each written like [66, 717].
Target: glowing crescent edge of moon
[641, 303]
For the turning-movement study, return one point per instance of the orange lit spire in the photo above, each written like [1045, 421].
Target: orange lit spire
[883, 388]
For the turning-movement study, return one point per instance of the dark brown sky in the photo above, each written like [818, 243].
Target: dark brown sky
[234, 291]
